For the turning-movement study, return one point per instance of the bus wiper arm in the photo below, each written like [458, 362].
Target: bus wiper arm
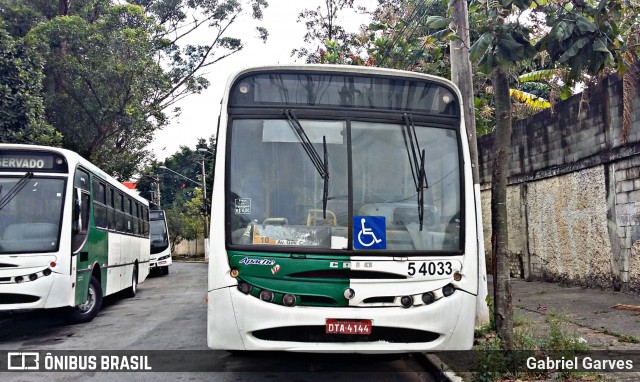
[416, 161]
[15, 189]
[321, 166]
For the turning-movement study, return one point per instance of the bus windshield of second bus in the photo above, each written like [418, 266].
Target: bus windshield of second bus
[160, 258]
[31, 211]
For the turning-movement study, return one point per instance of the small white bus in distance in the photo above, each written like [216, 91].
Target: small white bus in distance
[160, 244]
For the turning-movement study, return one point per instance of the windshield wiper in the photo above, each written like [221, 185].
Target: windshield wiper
[15, 189]
[321, 166]
[416, 161]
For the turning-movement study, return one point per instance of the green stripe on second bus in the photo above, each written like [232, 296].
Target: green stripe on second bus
[310, 278]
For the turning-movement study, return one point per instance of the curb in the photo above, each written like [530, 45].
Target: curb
[445, 374]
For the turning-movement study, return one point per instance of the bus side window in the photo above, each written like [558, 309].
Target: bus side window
[127, 215]
[99, 203]
[120, 223]
[111, 212]
[146, 222]
[136, 218]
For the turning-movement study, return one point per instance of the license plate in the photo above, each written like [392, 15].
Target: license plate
[336, 326]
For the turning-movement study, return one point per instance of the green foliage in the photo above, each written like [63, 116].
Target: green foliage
[21, 108]
[109, 70]
[551, 338]
[325, 34]
[180, 198]
[102, 74]
[586, 36]
[410, 35]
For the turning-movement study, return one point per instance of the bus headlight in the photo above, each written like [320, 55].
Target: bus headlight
[406, 301]
[428, 298]
[289, 300]
[448, 290]
[245, 288]
[266, 296]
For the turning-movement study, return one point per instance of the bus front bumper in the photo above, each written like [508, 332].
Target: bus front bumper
[238, 322]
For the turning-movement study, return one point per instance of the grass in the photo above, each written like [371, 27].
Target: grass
[552, 338]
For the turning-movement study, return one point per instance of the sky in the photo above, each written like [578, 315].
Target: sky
[199, 113]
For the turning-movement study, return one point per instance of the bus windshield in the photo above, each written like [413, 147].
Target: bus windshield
[159, 237]
[30, 219]
[276, 196]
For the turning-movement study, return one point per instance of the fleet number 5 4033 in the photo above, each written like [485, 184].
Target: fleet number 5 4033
[430, 268]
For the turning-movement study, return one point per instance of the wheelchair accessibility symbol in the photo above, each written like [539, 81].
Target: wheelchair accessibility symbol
[369, 232]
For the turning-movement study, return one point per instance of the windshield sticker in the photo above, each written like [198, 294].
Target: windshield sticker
[248, 261]
[291, 235]
[369, 232]
[243, 206]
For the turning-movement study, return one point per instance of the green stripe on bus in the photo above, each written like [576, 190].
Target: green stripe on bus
[310, 278]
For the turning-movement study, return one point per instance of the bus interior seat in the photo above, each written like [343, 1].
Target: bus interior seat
[276, 221]
[315, 218]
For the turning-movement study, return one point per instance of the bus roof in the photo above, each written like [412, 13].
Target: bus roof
[74, 159]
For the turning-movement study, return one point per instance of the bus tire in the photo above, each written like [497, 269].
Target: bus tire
[133, 289]
[164, 270]
[86, 311]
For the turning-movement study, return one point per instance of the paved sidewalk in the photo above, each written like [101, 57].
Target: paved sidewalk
[607, 320]
[604, 320]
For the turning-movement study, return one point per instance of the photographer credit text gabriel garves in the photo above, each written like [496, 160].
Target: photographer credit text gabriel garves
[576, 363]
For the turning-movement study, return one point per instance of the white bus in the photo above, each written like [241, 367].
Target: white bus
[344, 217]
[160, 245]
[69, 233]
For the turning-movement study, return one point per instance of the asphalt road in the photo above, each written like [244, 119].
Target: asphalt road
[166, 322]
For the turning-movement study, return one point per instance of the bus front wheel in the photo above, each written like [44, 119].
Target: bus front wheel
[87, 310]
[133, 289]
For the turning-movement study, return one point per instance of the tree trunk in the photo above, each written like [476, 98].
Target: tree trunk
[503, 309]
[462, 76]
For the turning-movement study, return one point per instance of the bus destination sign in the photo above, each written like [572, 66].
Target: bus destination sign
[32, 161]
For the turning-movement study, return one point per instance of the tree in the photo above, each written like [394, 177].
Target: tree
[461, 75]
[410, 35]
[589, 38]
[501, 45]
[113, 69]
[330, 42]
[100, 78]
[178, 21]
[21, 109]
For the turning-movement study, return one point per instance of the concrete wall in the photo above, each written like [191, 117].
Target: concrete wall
[189, 248]
[574, 192]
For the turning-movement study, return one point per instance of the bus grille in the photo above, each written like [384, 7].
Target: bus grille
[318, 334]
[346, 274]
[13, 298]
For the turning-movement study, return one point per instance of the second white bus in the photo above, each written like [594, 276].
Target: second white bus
[69, 233]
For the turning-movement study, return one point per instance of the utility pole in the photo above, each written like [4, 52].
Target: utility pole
[204, 200]
[155, 194]
[462, 76]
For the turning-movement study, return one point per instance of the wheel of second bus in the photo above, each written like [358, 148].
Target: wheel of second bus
[164, 270]
[133, 289]
[87, 310]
